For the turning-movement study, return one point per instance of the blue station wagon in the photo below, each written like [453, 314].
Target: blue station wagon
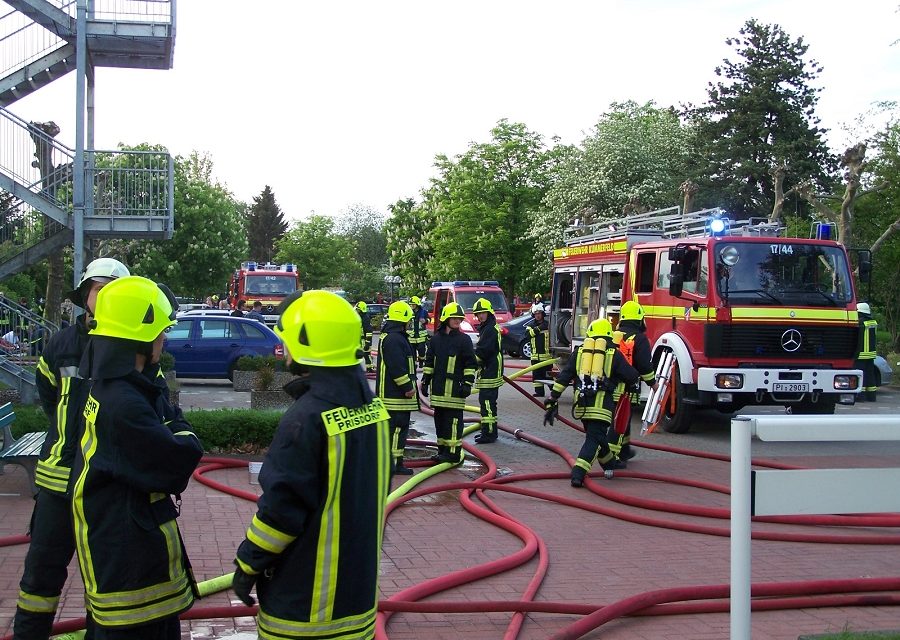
[209, 346]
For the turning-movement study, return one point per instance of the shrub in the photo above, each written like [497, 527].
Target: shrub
[220, 431]
[265, 376]
[167, 361]
[234, 430]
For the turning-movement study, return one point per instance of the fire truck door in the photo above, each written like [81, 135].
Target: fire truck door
[587, 299]
[563, 303]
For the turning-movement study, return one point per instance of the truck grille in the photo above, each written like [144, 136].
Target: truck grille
[762, 341]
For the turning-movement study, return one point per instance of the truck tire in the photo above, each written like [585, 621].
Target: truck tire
[677, 418]
[564, 329]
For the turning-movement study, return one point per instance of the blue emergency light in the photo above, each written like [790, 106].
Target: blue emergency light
[718, 226]
[824, 230]
[251, 266]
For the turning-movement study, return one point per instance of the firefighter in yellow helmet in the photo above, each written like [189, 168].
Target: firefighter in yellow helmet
[865, 359]
[365, 341]
[314, 545]
[395, 383]
[448, 375]
[634, 345]
[417, 334]
[489, 356]
[538, 331]
[136, 452]
[595, 369]
[62, 394]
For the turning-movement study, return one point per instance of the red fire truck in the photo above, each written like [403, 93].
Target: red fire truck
[268, 283]
[466, 292]
[749, 316]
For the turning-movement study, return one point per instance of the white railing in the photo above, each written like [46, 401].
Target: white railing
[807, 491]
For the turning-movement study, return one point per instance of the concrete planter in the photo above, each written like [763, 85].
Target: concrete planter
[246, 380]
[261, 400]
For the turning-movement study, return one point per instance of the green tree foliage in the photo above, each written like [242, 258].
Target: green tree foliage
[409, 246]
[480, 201]
[876, 214]
[321, 255]
[761, 113]
[208, 243]
[265, 225]
[362, 230]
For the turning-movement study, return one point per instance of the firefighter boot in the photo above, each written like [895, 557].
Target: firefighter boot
[578, 477]
[627, 453]
[401, 470]
[485, 438]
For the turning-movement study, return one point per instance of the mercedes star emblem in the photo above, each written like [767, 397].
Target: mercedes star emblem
[790, 340]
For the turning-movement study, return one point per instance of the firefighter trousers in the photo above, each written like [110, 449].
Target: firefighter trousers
[399, 433]
[538, 375]
[487, 402]
[595, 447]
[51, 549]
[869, 388]
[448, 427]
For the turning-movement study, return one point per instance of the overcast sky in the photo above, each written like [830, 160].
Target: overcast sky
[343, 102]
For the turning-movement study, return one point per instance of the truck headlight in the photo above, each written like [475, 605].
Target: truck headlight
[846, 382]
[729, 380]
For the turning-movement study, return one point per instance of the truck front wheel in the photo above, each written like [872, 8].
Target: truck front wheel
[677, 414]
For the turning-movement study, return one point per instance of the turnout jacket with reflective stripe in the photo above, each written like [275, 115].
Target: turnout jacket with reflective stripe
[449, 366]
[489, 355]
[316, 536]
[135, 450]
[539, 335]
[616, 370]
[867, 338]
[641, 357]
[396, 369]
[62, 392]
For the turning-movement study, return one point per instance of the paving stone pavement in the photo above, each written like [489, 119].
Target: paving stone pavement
[593, 558]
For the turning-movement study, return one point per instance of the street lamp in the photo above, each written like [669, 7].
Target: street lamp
[391, 281]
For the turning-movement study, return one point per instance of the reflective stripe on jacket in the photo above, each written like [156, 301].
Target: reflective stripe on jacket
[135, 451]
[62, 393]
[489, 355]
[316, 536]
[449, 366]
[396, 369]
[539, 333]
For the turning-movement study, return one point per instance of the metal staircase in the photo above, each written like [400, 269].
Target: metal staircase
[53, 195]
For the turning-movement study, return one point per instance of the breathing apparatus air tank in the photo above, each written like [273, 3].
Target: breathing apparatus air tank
[587, 358]
[598, 360]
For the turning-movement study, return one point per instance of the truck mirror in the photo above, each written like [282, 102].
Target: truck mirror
[676, 285]
[677, 253]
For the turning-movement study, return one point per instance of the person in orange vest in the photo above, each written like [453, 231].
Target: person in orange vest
[635, 347]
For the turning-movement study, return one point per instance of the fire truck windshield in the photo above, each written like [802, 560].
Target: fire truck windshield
[782, 273]
[467, 299]
[269, 285]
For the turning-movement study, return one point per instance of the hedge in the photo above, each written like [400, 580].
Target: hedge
[220, 431]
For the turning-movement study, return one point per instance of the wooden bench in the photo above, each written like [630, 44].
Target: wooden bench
[24, 451]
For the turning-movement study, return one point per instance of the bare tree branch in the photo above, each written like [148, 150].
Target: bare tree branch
[891, 230]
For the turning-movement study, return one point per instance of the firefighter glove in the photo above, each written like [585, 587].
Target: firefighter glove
[551, 406]
[242, 583]
[465, 389]
[424, 388]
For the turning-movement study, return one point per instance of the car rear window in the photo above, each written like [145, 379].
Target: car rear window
[254, 333]
[181, 331]
[212, 329]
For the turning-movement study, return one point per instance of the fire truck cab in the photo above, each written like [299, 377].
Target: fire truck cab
[268, 283]
[466, 292]
[751, 317]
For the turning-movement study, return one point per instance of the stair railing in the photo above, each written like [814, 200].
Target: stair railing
[22, 41]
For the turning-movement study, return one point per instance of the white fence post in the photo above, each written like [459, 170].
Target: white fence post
[741, 432]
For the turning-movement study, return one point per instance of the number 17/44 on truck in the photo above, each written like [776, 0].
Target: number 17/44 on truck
[745, 315]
